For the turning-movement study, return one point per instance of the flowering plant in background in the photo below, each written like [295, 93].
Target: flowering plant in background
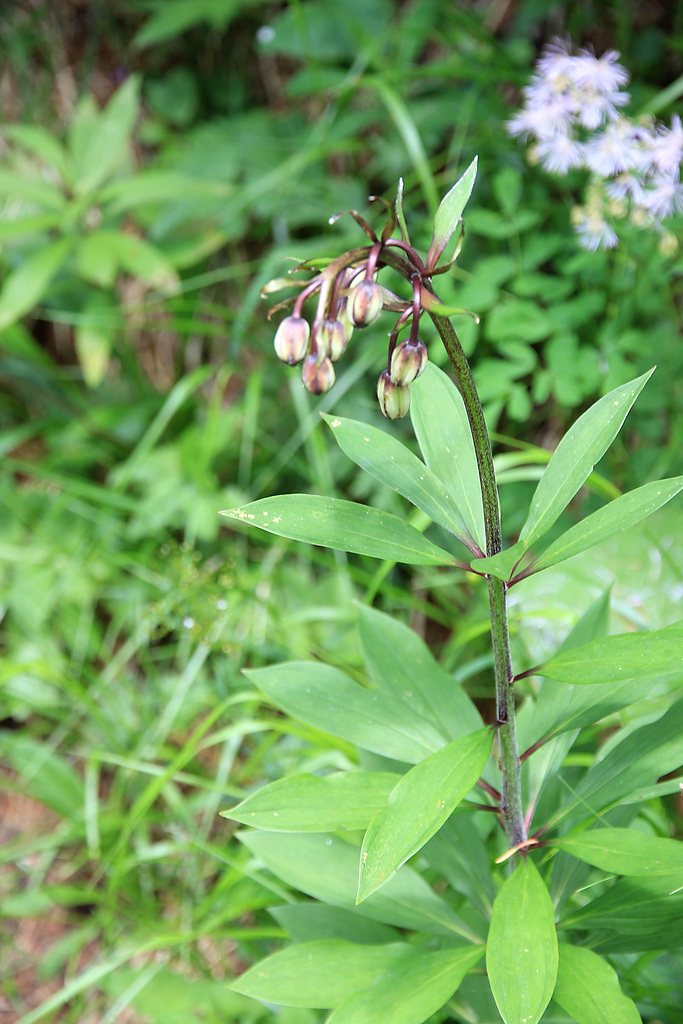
[572, 116]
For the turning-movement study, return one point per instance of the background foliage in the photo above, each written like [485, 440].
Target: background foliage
[159, 161]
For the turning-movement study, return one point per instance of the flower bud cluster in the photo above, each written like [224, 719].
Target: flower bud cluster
[349, 297]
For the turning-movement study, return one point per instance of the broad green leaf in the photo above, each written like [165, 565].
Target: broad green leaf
[612, 519]
[310, 803]
[576, 454]
[326, 867]
[449, 213]
[624, 656]
[390, 462]
[308, 920]
[345, 525]
[399, 662]
[33, 190]
[104, 138]
[169, 20]
[329, 700]
[10, 229]
[588, 989]
[521, 953]
[319, 974]
[443, 431]
[409, 991]
[97, 258]
[639, 758]
[418, 806]
[24, 287]
[624, 851]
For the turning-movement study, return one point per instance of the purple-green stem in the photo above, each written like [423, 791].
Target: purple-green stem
[510, 769]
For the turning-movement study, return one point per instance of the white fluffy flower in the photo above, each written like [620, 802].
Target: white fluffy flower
[664, 197]
[666, 147]
[614, 150]
[594, 232]
[560, 153]
[602, 74]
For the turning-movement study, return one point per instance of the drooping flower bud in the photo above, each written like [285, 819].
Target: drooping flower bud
[408, 360]
[333, 338]
[317, 373]
[291, 340]
[394, 399]
[364, 303]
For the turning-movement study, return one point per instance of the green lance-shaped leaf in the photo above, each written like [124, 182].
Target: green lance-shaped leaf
[409, 991]
[26, 285]
[612, 519]
[624, 656]
[311, 803]
[521, 953]
[345, 525]
[326, 867]
[588, 989]
[443, 432]
[624, 851]
[575, 456]
[401, 664]
[390, 462]
[99, 142]
[418, 806]
[449, 213]
[327, 699]
[319, 974]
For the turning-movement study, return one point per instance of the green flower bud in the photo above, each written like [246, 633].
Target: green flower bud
[291, 340]
[364, 303]
[317, 373]
[333, 338]
[408, 360]
[394, 399]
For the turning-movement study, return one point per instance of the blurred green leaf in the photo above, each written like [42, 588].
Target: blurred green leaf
[100, 140]
[25, 287]
[418, 806]
[521, 953]
[33, 190]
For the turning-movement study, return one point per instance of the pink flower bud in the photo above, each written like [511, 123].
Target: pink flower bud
[333, 337]
[364, 303]
[408, 360]
[394, 399]
[317, 373]
[291, 340]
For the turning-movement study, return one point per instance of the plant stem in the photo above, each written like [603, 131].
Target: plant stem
[511, 789]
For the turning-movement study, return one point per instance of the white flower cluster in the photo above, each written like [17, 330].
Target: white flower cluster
[571, 114]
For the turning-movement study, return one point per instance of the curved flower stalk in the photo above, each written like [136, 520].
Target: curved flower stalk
[571, 116]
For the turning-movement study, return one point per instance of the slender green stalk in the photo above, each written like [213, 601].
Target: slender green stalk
[511, 790]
